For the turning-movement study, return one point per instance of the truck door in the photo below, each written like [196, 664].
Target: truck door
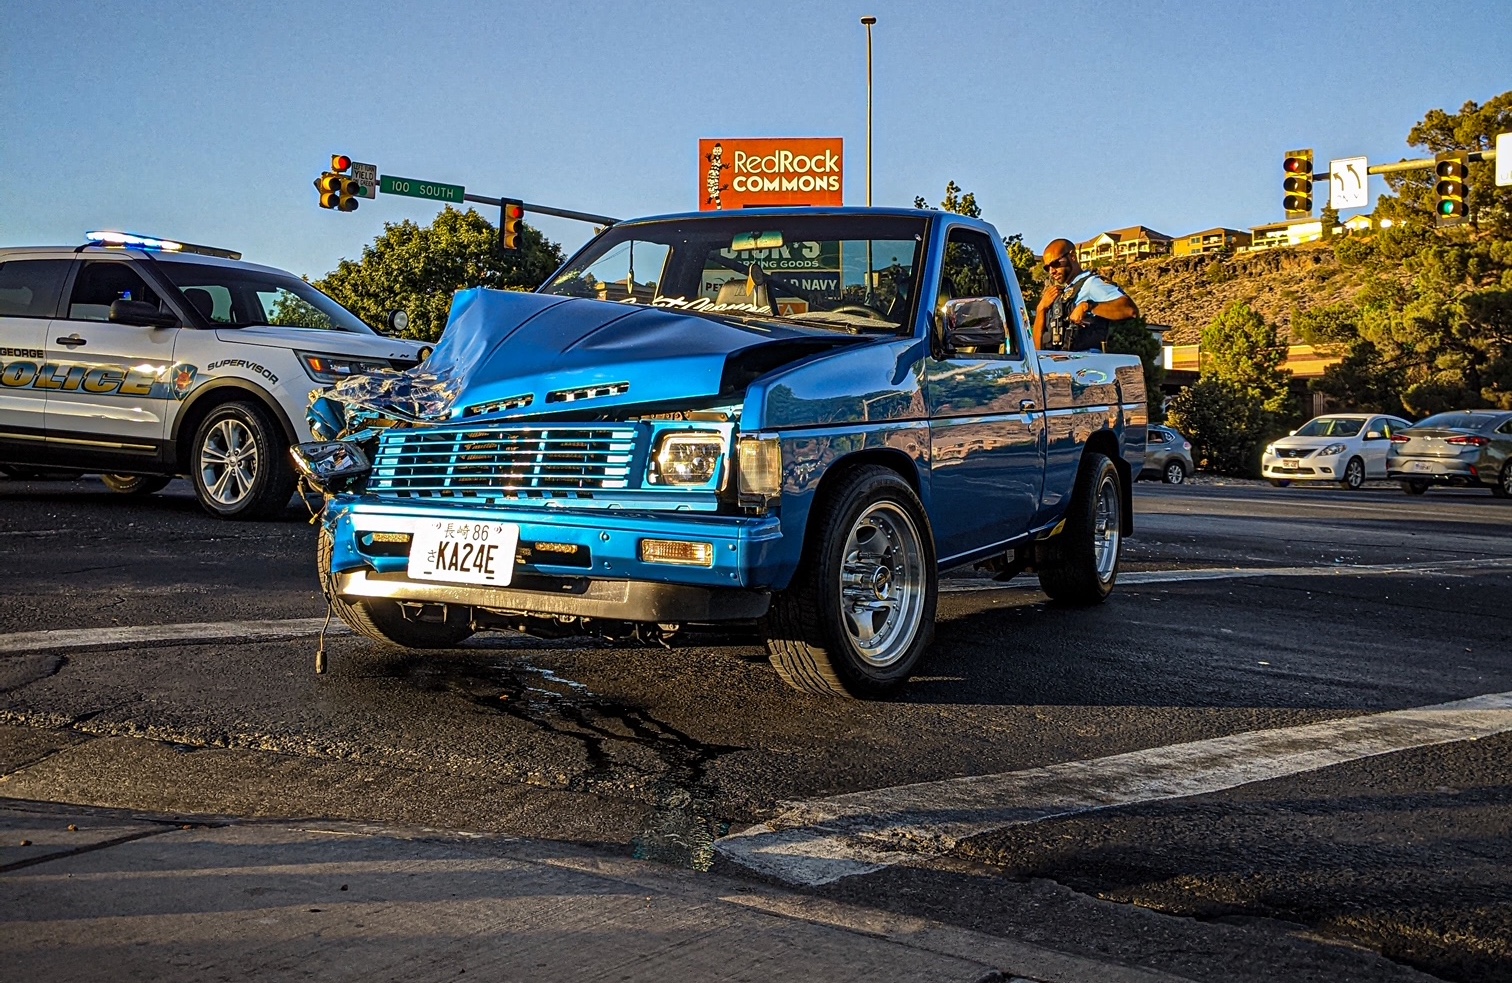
[29, 292]
[986, 421]
[108, 384]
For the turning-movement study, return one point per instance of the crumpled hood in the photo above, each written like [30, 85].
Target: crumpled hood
[521, 354]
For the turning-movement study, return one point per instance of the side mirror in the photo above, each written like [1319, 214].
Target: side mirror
[1292, 433]
[1374, 435]
[398, 320]
[975, 322]
[142, 314]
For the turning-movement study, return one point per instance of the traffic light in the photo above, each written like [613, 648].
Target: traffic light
[338, 189]
[1298, 184]
[511, 215]
[1451, 171]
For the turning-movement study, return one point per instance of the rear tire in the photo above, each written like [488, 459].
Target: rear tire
[1414, 486]
[135, 484]
[860, 611]
[1354, 475]
[1175, 473]
[1503, 488]
[240, 463]
[1080, 565]
[384, 621]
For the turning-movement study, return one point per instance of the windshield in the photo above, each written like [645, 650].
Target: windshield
[237, 297]
[845, 272]
[1330, 426]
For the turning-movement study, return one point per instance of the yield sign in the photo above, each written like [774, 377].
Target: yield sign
[1348, 183]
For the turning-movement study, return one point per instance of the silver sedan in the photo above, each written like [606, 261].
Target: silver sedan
[1465, 447]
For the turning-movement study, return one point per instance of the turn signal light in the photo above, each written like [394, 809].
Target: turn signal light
[677, 551]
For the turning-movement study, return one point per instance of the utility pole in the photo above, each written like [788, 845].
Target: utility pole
[868, 21]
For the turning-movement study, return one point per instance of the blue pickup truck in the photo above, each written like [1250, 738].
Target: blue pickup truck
[792, 419]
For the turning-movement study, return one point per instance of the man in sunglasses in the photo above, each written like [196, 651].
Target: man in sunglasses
[1078, 305]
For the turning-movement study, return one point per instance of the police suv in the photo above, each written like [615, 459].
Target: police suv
[142, 359]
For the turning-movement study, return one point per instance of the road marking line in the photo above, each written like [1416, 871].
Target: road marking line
[180, 634]
[1234, 573]
[823, 840]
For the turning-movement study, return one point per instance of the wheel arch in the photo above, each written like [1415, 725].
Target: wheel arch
[207, 397]
[1105, 442]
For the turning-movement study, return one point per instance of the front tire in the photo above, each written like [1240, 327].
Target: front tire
[1354, 475]
[134, 484]
[860, 612]
[240, 463]
[384, 621]
[1080, 565]
[1175, 473]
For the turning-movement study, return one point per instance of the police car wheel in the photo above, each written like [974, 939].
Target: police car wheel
[860, 612]
[384, 621]
[1080, 564]
[134, 484]
[240, 463]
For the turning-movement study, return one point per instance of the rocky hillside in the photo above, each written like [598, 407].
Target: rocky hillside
[1187, 292]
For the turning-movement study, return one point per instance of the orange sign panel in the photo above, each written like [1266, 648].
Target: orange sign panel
[742, 173]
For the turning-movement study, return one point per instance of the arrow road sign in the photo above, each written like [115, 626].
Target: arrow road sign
[1348, 183]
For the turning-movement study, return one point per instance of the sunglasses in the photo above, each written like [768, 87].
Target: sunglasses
[1064, 261]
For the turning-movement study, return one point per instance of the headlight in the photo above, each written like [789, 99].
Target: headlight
[760, 470]
[329, 368]
[1333, 449]
[687, 458]
[330, 463]
[1270, 450]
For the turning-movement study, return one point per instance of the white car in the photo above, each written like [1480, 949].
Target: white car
[1347, 448]
[142, 359]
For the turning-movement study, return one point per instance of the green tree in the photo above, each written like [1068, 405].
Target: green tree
[1225, 423]
[1133, 337]
[1241, 348]
[416, 269]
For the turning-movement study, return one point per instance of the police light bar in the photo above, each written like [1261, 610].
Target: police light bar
[131, 240]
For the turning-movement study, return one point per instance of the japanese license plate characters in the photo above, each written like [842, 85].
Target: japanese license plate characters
[464, 552]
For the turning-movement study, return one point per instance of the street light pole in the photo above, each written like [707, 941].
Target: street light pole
[868, 21]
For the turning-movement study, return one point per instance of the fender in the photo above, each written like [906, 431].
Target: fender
[251, 388]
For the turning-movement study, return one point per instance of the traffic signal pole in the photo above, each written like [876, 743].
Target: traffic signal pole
[1426, 163]
[603, 220]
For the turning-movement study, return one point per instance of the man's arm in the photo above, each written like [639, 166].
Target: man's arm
[1120, 308]
[1046, 299]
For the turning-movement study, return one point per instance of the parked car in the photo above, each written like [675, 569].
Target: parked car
[1465, 447]
[140, 359]
[790, 418]
[1346, 448]
[1168, 456]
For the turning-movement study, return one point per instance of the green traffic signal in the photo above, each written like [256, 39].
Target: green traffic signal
[1453, 171]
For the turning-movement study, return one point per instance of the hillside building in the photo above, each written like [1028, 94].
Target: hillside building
[1211, 241]
[1123, 246]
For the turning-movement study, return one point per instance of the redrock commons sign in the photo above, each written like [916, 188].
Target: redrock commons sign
[741, 173]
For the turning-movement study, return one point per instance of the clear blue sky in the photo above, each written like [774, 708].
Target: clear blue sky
[208, 121]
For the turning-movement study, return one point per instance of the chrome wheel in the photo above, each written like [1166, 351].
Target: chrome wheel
[1354, 474]
[882, 584]
[1175, 473]
[229, 462]
[1107, 529]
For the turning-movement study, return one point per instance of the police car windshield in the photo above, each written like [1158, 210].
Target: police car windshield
[236, 297]
[839, 272]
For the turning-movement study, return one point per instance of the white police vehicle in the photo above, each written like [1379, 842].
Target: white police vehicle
[141, 359]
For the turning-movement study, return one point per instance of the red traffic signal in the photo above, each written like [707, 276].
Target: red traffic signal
[1298, 165]
[511, 218]
[341, 163]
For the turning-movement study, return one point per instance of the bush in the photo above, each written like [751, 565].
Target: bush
[1225, 422]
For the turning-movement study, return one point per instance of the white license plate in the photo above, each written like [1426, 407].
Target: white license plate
[464, 552]
[1288, 464]
[1420, 466]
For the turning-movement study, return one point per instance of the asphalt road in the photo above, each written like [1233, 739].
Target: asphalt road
[1306, 607]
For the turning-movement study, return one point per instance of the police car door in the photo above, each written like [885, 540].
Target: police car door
[986, 427]
[110, 386]
[29, 292]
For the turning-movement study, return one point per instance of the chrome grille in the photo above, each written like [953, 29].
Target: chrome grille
[566, 462]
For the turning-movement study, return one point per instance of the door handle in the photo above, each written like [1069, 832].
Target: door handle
[1025, 405]
[72, 341]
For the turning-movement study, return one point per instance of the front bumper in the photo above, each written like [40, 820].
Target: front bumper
[1310, 468]
[606, 577]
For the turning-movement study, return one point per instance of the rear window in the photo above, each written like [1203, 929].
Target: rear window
[31, 287]
[1454, 421]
